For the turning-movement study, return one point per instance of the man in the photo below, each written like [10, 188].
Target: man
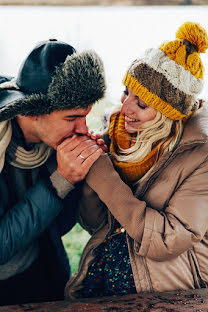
[44, 154]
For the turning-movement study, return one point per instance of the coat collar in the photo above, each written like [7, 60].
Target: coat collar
[196, 128]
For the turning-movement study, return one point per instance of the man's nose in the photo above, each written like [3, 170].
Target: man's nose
[81, 126]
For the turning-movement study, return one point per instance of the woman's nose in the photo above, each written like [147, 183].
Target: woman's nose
[126, 107]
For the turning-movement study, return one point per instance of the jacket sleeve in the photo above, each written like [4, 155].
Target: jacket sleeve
[67, 218]
[92, 212]
[159, 235]
[25, 221]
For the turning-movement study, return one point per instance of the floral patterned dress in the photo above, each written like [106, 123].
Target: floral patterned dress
[110, 273]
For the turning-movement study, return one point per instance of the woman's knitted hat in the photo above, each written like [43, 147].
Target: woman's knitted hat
[170, 78]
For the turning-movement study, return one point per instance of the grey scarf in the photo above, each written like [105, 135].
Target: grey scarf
[17, 155]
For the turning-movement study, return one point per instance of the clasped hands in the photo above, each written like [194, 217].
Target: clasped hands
[77, 154]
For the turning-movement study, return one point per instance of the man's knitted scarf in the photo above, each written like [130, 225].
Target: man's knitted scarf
[129, 172]
[17, 155]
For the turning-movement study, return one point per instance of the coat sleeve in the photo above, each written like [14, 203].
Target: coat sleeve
[26, 220]
[92, 212]
[158, 235]
[67, 218]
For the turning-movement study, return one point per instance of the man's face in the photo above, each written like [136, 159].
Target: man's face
[55, 127]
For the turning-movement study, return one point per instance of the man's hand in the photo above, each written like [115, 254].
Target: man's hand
[75, 156]
[99, 141]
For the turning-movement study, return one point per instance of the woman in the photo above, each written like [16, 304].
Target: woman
[154, 236]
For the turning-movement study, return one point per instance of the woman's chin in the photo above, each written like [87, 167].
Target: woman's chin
[130, 129]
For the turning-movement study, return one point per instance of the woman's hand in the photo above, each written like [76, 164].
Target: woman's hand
[75, 156]
[97, 137]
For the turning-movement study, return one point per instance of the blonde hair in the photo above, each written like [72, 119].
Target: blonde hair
[161, 131]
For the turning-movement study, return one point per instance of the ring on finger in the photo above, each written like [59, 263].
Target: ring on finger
[81, 156]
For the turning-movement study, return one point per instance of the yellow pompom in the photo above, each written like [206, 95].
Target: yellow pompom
[195, 66]
[175, 50]
[170, 48]
[195, 34]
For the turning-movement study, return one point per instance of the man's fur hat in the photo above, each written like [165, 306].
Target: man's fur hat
[53, 77]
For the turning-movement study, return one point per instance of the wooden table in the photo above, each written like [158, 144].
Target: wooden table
[187, 301]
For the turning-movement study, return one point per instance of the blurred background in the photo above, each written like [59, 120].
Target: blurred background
[118, 30]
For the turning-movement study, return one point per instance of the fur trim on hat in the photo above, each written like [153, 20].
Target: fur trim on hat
[32, 105]
[77, 83]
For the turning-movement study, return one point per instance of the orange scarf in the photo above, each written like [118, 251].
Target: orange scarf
[129, 172]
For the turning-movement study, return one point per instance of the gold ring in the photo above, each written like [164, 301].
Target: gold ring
[81, 156]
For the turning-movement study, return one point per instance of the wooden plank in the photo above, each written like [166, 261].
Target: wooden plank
[103, 2]
[177, 301]
[199, 2]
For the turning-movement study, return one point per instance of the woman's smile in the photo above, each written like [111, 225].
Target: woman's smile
[130, 120]
[133, 123]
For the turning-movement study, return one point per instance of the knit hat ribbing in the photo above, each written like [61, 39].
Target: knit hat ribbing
[170, 78]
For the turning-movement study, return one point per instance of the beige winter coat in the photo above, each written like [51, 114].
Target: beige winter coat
[166, 219]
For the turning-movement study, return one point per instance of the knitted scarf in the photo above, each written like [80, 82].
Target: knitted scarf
[129, 172]
[17, 155]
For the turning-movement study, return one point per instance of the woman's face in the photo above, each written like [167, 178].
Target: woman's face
[136, 112]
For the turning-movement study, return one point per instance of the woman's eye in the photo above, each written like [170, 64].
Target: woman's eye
[142, 106]
[125, 92]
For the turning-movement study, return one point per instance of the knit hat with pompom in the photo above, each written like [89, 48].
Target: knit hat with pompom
[170, 78]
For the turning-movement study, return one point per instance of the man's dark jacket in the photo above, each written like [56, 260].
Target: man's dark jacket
[41, 214]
